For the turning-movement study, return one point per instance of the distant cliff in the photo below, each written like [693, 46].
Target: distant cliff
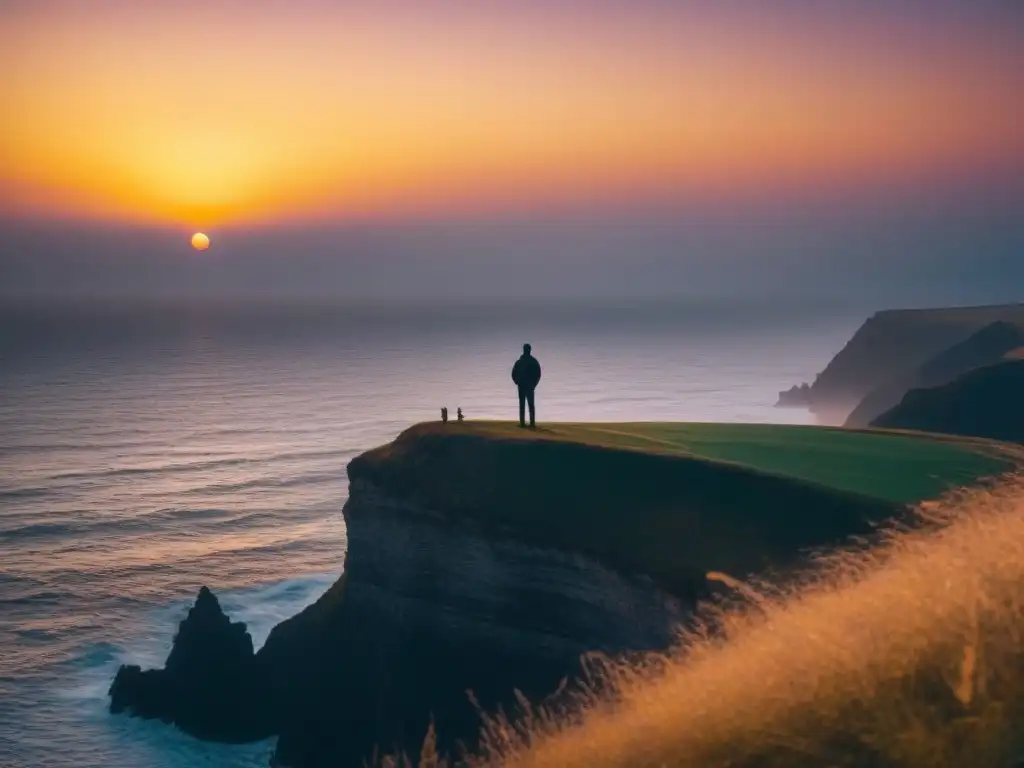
[890, 345]
[988, 346]
[986, 402]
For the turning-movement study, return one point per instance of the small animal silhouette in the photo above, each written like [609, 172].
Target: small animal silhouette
[444, 415]
[458, 414]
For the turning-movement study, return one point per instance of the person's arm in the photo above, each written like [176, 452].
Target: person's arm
[515, 373]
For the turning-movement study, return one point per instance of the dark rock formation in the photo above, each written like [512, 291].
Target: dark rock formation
[986, 347]
[797, 396]
[987, 402]
[209, 686]
[895, 343]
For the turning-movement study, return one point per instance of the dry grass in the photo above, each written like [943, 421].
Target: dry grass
[906, 652]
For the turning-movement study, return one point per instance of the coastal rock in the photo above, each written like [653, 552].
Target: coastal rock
[208, 687]
[143, 694]
[797, 396]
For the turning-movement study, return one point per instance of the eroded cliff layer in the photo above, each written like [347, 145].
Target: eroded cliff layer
[431, 611]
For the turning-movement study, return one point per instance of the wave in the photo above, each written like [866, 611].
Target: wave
[309, 478]
[82, 526]
[264, 607]
[200, 466]
[90, 446]
[38, 530]
[34, 598]
[25, 492]
[163, 522]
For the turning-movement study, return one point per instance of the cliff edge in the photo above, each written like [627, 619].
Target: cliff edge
[646, 505]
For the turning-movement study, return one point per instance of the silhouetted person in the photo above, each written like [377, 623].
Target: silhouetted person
[526, 375]
[458, 414]
[444, 415]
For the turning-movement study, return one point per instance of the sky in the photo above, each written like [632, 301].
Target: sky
[556, 147]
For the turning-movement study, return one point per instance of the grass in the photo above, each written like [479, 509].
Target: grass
[896, 467]
[905, 654]
[672, 501]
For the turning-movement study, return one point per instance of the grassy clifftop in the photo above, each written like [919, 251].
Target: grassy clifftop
[670, 500]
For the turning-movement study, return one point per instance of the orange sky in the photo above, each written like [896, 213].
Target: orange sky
[205, 114]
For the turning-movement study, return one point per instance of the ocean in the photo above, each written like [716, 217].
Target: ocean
[148, 450]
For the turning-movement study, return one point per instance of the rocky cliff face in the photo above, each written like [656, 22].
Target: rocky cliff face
[431, 611]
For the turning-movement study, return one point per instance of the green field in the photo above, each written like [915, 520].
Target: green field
[896, 467]
[673, 501]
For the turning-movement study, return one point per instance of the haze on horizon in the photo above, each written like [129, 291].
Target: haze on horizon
[561, 148]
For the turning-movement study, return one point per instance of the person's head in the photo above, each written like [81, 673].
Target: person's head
[526, 349]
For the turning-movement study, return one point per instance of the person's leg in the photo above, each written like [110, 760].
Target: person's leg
[529, 399]
[522, 407]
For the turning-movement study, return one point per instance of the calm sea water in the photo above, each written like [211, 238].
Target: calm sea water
[146, 452]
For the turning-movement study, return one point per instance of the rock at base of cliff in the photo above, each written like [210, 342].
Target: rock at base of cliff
[143, 694]
[210, 686]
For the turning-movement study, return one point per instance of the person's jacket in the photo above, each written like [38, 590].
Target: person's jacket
[526, 372]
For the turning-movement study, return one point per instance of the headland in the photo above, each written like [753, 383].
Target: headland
[490, 559]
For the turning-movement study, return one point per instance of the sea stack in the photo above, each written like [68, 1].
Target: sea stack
[208, 686]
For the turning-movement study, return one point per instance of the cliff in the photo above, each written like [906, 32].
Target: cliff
[890, 345]
[986, 402]
[490, 559]
[986, 347]
[486, 558]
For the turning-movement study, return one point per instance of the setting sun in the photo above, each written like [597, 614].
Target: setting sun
[200, 241]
